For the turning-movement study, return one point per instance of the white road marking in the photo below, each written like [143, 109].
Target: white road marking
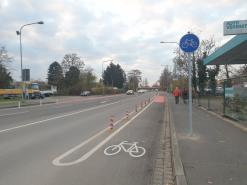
[103, 102]
[14, 113]
[132, 149]
[57, 161]
[58, 117]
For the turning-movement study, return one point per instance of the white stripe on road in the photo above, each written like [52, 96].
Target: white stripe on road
[13, 113]
[57, 161]
[58, 117]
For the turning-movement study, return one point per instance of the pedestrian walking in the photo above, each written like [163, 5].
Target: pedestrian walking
[176, 94]
[185, 95]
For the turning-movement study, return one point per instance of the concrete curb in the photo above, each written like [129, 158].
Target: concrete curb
[177, 162]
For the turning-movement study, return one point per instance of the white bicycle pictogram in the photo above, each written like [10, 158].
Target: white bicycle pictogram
[131, 148]
[189, 43]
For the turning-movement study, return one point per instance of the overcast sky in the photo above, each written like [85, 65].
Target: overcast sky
[127, 31]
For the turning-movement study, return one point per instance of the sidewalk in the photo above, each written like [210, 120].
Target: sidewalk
[217, 151]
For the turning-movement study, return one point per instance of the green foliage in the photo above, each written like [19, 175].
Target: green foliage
[5, 78]
[72, 76]
[5, 75]
[55, 74]
[114, 76]
[87, 79]
[202, 75]
[165, 79]
[212, 73]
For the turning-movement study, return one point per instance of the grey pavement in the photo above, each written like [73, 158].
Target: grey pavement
[216, 153]
[27, 152]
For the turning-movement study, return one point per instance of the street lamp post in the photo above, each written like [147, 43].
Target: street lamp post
[19, 33]
[110, 60]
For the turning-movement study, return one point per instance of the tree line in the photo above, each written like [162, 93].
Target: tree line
[71, 77]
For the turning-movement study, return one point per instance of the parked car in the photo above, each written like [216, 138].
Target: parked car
[141, 91]
[130, 92]
[86, 93]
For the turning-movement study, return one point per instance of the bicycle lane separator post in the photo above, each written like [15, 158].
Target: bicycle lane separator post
[57, 161]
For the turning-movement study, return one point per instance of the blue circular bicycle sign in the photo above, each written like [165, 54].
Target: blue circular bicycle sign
[189, 43]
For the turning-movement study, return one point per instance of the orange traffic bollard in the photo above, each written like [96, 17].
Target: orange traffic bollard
[111, 123]
[127, 114]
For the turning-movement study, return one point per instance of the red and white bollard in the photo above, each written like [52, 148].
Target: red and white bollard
[111, 123]
[127, 114]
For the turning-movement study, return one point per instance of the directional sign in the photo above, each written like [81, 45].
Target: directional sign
[189, 43]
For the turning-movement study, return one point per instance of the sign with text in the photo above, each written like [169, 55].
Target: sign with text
[235, 27]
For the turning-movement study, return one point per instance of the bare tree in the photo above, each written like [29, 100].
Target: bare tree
[134, 78]
[70, 60]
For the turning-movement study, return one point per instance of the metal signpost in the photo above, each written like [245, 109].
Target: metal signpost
[189, 43]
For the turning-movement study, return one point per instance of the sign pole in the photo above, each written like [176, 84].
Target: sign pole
[189, 43]
[190, 96]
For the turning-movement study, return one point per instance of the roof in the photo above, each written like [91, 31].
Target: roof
[232, 52]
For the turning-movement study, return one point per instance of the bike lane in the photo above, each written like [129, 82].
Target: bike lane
[120, 168]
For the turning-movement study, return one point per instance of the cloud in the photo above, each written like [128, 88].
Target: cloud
[129, 31]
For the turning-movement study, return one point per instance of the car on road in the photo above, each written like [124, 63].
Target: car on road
[86, 93]
[130, 92]
[141, 91]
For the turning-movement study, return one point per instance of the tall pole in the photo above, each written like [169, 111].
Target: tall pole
[19, 33]
[22, 85]
[190, 95]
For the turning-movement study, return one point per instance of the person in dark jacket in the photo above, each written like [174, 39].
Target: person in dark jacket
[185, 95]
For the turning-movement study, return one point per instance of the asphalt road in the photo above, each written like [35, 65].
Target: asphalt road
[64, 143]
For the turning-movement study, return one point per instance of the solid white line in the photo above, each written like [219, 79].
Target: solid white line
[57, 160]
[14, 113]
[58, 117]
